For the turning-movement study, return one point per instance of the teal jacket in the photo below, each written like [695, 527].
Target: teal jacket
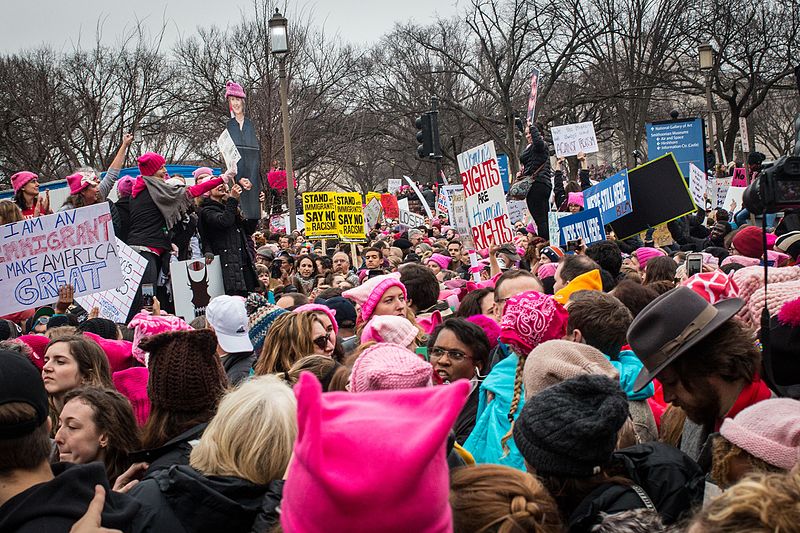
[628, 366]
[492, 417]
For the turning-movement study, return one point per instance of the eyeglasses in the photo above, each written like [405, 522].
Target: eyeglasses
[321, 342]
[453, 355]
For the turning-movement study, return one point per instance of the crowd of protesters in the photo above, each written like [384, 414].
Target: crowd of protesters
[405, 384]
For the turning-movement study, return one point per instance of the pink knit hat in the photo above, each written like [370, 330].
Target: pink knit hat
[370, 293]
[547, 270]
[202, 171]
[19, 179]
[334, 482]
[442, 260]
[750, 281]
[78, 182]
[319, 308]
[575, 198]
[532, 318]
[777, 295]
[132, 383]
[150, 162]
[713, 286]
[125, 186]
[146, 325]
[389, 366]
[645, 254]
[118, 352]
[531, 228]
[489, 326]
[769, 430]
[38, 344]
[388, 328]
[740, 260]
[234, 89]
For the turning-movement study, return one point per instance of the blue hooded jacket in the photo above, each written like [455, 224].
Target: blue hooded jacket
[628, 366]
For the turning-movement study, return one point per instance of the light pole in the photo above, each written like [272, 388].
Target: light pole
[279, 45]
[706, 53]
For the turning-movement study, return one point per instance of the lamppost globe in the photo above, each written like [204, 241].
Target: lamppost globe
[278, 37]
[706, 53]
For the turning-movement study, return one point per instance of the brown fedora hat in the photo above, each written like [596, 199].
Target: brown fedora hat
[670, 325]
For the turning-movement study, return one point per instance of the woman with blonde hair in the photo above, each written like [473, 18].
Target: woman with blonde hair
[9, 212]
[234, 469]
[291, 337]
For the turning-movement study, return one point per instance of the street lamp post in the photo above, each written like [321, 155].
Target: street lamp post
[279, 45]
[706, 53]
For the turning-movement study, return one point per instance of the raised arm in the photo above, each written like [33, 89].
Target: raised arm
[116, 165]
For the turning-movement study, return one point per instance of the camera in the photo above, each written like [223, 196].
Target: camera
[775, 188]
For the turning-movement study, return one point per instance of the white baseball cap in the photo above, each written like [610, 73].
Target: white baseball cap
[228, 316]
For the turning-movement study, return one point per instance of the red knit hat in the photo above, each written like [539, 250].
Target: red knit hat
[150, 162]
[748, 241]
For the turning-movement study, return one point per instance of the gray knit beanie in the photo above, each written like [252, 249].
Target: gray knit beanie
[570, 429]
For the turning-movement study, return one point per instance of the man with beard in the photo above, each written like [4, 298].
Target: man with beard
[705, 359]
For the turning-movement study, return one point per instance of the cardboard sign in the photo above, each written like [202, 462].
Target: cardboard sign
[228, 149]
[574, 138]
[659, 194]
[502, 162]
[718, 191]
[412, 220]
[371, 195]
[115, 304]
[390, 207]
[442, 204]
[402, 203]
[448, 191]
[698, 184]
[739, 177]
[612, 196]
[393, 185]
[552, 222]
[533, 95]
[319, 209]
[39, 255]
[586, 225]
[683, 138]
[350, 217]
[372, 213]
[425, 205]
[733, 199]
[459, 219]
[487, 211]
[517, 211]
[194, 284]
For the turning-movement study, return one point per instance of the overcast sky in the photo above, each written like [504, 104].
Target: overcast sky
[29, 23]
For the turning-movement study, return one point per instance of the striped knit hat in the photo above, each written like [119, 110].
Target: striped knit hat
[259, 323]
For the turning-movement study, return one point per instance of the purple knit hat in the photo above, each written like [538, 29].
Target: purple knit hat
[234, 89]
[769, 430]
[368, 294]
[442, 260]
[132, 383]
[319, 308]
[389, 366]
[391, 329]
[125, 186]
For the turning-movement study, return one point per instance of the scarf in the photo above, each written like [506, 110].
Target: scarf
[752, 393]
[171, 200]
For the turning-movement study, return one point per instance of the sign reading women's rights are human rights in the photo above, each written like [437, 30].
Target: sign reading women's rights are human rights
[39, 255]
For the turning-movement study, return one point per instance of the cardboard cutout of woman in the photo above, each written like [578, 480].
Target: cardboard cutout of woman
[244, 137]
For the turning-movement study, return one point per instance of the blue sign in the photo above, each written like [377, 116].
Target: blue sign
[612, 196]
[586, 225]
[684, 138]
[502, 162]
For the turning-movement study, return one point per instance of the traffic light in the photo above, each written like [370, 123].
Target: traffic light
[424, 136]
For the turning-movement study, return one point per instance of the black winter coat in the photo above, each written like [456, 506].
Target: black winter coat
[174, 452]
[535, 156]
[185, 500]
[223, 231]
[673, 482]
[56, 505]
[237, 366]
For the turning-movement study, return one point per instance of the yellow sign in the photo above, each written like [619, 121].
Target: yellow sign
[319, 209]
[350, 217]
[371, 195]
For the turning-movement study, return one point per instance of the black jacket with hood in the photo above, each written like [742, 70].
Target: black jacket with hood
[185, 500]
[224, 233]
[174, 452]
[56, 505]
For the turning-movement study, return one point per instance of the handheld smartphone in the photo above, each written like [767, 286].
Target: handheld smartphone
[694, 264]
[573, 246]
[147, 296]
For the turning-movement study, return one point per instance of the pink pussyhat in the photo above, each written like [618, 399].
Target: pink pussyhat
[19, 179]
[371, 461]
[547, 270]
[575, 198]
[132, 383]
[119, 352]
[369, 293]
[530, 319]
[146, 325]
[319, 308]
[202, 171]
[442, 260]
[646, 253]
[386, 366]
[125, 186]
[389, 328]
[234, 89]
[37, 343]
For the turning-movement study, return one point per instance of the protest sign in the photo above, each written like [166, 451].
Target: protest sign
[442, 204]
[487, 211]
[659, 194]
[739, 177]
[502, 162]
[586, 225]
[552, 222]
[393, 185]
[194, 284]
[114, 304]
[350, 217]
[228, 149]
[573, 138]
[459, 219]
[390, 207]
[372, 213]
[533, 95]
[744, 134]
[402, 203]
[371, 195]
[412, 220]
[422, 200]
[612, 196]
[733, 199]
[319, 209]
[683, 138]
[39, 255]
[719, 190]
[448, 191]
[517, 211]
[698, 184]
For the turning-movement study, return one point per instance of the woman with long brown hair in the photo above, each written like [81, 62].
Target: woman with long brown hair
[290, 338]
